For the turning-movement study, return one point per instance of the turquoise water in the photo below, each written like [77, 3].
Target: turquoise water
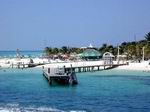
[11, 54]
[103, 91]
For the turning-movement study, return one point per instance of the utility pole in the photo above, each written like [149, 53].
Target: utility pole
[118, 54]
[18, 53]
[135, 46]
[118, 51]
[143, 53]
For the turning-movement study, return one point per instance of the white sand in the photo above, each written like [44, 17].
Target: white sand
[143, 66]
[6, 63]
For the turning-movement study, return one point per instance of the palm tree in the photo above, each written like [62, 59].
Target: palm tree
[55, 50]
[107, 48]
[132, 51]
[103, 49]
[46, 50]
[147, 36]
[147, 48]
[64, 49]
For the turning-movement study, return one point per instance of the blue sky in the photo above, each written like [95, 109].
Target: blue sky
[34, 24]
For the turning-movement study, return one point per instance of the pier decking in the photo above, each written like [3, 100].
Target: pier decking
[67, 75]
[91, 68]
[22, 65]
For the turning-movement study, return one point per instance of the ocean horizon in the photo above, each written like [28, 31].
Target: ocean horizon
[26, 53]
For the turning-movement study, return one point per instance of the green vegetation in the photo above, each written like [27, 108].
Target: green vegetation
[133, 50]
[62, 50]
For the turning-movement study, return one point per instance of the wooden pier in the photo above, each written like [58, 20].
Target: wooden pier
[67, 75]
[92, 68]
[22, 65]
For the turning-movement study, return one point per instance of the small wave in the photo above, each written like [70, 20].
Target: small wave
[29, 110]
[18, 108]
[77, 111]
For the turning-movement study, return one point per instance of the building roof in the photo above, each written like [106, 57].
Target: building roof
[90, 46]
[90, 53]
[108, 54]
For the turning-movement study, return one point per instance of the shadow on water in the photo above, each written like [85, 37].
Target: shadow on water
[142, 79]
[62, 85]
[59, 85]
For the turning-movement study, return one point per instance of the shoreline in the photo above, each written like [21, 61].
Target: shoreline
[6, 63]
[143, 66]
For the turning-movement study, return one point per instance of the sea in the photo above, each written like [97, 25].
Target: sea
[12, 54]
[27, 90]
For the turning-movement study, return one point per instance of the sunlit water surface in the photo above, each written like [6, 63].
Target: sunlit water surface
[103, 91]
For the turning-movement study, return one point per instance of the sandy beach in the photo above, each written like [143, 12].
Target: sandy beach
[143, 66]
[7, 63]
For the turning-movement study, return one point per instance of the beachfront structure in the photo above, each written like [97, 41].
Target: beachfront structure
[121, 58]
[108, 58]
[90, 53]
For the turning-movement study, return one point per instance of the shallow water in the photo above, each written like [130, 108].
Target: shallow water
[103, 91]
